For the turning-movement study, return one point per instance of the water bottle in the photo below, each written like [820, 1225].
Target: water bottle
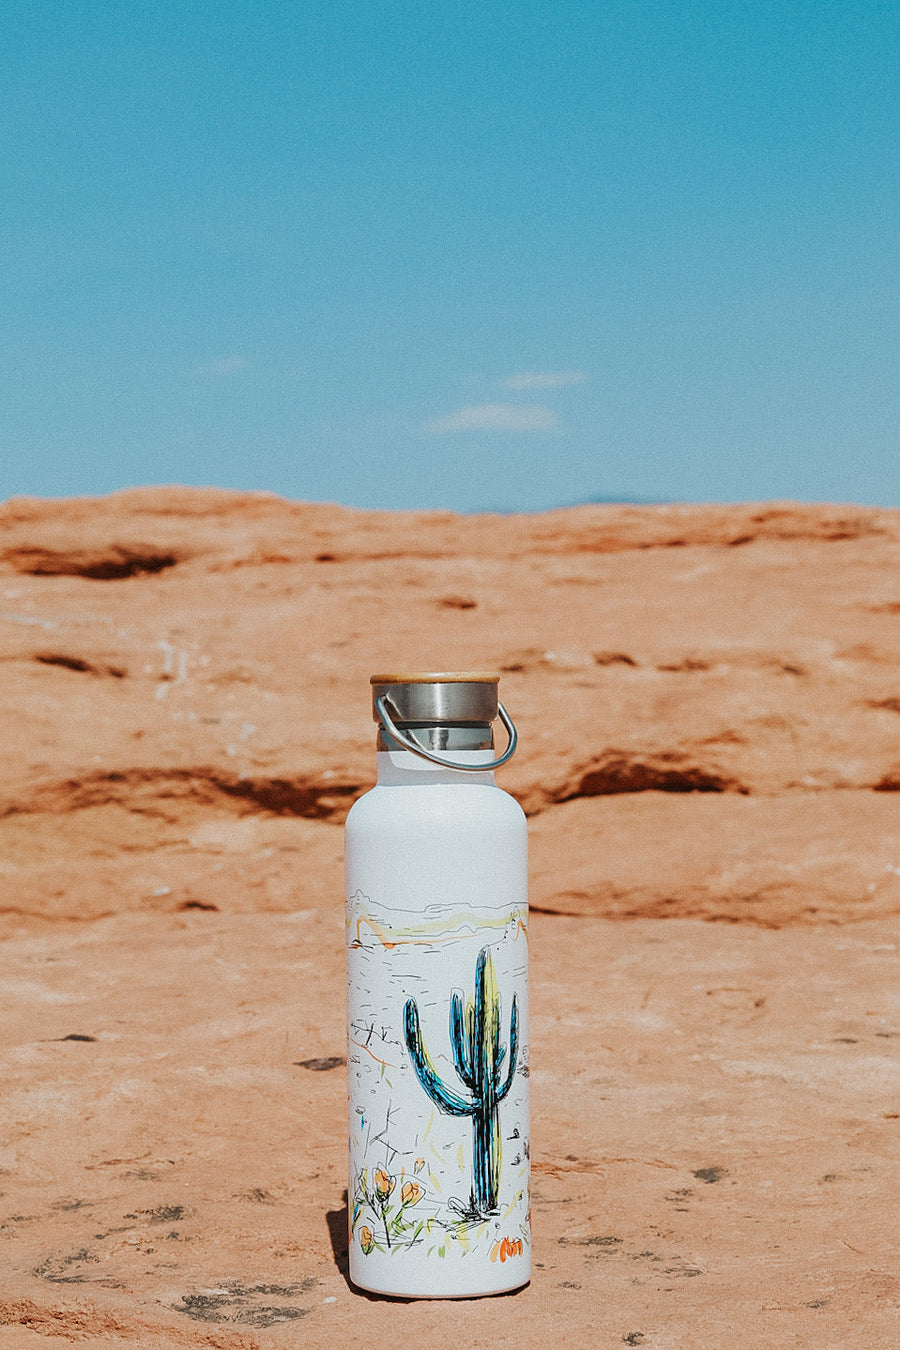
[437, 981]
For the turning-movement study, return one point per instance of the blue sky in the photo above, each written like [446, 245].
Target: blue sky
[463, 255]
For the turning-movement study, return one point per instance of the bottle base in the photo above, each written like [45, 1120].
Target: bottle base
[408, 1294]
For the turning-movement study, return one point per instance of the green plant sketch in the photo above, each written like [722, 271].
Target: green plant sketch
[478, 1059]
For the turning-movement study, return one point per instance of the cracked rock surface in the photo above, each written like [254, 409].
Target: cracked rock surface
[715, 1138]
[185, 677]
[708, 701]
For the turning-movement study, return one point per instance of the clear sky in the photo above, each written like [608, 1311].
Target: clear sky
[483, 254]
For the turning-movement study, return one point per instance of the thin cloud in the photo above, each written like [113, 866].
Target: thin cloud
[544, 379]
[223, 365]
[495, 417]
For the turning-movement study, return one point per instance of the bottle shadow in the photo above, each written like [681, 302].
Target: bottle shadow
[338, 1221]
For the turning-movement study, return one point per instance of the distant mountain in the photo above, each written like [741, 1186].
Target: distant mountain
[611, 500]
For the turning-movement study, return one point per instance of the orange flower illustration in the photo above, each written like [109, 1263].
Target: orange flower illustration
[412, 1193]
[508, 1247]
[366, 1239]
[420, 1163]
[383, 1183]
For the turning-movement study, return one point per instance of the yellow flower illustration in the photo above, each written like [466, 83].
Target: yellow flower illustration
[383, 1183]
[412, 1193]
[366, 1239]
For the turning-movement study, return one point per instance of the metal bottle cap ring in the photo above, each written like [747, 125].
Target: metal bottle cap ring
[406, 743]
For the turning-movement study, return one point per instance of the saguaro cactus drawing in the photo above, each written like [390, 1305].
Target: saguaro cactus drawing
[478, 1058]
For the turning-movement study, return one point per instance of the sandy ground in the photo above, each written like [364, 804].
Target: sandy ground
[716, 1138]
[709, 708]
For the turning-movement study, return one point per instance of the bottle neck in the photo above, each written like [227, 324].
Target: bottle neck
[444, 739]
[402, 768]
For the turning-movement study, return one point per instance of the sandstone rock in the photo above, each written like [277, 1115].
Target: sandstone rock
[715, 1155]
[707, 700]
[175, 656]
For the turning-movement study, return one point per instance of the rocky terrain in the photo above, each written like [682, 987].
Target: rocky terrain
[708, 701]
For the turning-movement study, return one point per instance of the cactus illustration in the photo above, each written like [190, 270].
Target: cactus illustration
[478, 1058]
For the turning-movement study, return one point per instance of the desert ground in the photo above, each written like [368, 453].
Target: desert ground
[708, 703]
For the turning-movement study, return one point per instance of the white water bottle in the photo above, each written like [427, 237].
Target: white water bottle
[437, 981]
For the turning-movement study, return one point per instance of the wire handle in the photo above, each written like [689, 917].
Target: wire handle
[407, 744]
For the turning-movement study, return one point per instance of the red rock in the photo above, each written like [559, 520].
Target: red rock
[707, 700]
[175, 656]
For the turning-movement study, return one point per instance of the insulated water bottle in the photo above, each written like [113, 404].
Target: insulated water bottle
[437, 994]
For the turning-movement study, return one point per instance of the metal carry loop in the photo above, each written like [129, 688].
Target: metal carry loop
[406, 744]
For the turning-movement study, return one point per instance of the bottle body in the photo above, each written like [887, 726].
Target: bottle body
[437, 979]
